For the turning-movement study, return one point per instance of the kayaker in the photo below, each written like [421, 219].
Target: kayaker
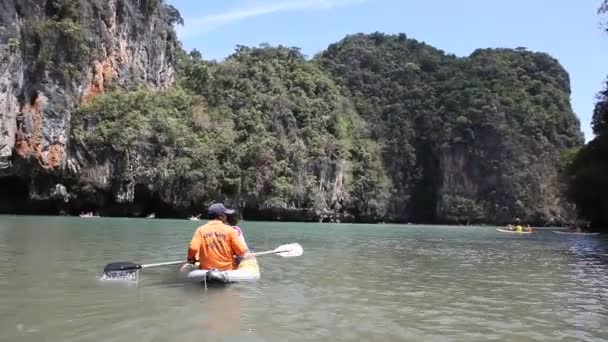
[528, 228]
[233, 220]
[216, 243]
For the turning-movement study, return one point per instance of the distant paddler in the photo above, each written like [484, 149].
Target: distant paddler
[515, 228]
[578, 228]
[519, 228]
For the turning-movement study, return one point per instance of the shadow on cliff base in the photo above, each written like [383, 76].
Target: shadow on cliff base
[14, 199]
[145, 202]
[299, 215]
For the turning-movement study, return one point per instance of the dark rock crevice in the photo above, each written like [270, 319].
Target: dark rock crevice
[14, 196]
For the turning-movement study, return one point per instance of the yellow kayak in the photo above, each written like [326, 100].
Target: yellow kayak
[512, 231]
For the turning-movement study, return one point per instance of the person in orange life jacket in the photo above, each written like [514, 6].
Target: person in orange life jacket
[216, 243]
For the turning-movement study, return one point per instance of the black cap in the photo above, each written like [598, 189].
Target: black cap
[218, 209]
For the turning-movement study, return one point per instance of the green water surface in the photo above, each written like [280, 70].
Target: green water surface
[354, 282]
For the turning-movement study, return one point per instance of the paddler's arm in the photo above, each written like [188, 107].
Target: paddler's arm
[238, 247]
[195, 245]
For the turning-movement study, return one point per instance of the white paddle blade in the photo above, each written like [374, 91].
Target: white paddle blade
[289, 251]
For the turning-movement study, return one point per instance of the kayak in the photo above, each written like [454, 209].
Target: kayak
[573, 233]
[512, 231]
[247, 271]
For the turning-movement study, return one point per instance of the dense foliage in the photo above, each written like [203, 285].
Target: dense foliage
[297, 139]
[588, 170]
[377, 127]
[463, 139]
[147, 138]
[62, 25]
[265, 129]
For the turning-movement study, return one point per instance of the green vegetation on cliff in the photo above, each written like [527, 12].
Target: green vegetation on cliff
[55, 55]
[62, 25]
[588, 180]
[462, 138]
[377, 127]
[587, 171]
[297, 140]
[266, 129]
[64, 37]
[147, 139]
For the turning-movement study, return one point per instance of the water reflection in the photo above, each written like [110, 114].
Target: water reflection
[586, 301]
[589, 248]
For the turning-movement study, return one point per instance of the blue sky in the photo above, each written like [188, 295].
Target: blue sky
[569, 30]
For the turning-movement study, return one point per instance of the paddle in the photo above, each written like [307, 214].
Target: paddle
[286, 251]
[130, 266]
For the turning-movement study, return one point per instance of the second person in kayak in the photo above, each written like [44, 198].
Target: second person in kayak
[233, 220]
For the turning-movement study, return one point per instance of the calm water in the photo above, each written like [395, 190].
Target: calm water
[354, 282]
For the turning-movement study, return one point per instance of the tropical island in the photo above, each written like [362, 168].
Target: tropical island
[106, 112]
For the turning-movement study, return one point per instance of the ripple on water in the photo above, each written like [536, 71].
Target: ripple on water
[356, 283]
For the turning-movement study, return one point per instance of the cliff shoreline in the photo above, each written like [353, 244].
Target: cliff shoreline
[109, 114]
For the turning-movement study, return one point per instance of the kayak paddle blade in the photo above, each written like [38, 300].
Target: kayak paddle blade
[121, 267]
[289, 251]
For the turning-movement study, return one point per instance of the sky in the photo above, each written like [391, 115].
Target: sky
[569, 30]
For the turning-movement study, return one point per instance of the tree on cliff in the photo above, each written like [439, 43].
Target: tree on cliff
[588, 172]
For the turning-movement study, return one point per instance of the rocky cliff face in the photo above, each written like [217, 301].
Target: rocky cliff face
[259, 131]
[11, 65]
[464, 139]
[56, 55]
[375, 128]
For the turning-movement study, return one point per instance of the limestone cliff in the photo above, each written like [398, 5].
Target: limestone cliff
[57, 54]
[473, 139]
[101, 110]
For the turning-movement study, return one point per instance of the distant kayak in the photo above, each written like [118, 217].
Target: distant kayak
[512, 231]
[573, 233]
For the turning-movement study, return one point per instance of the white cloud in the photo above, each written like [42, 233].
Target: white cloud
[206, 23]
